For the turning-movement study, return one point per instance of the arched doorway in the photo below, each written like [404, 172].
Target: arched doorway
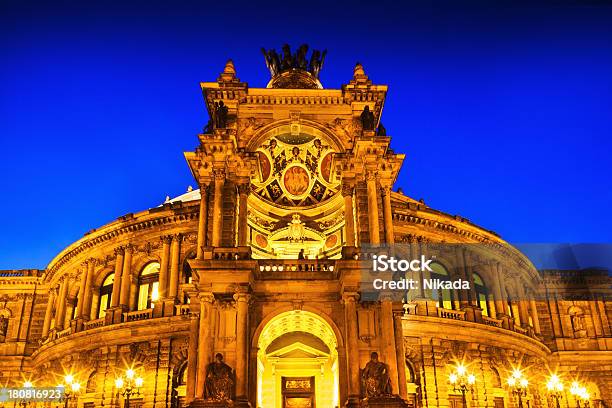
[297, 362]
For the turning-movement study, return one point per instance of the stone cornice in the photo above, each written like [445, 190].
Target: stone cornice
[128, 224]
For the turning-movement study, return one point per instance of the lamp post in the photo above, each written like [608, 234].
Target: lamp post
[518, 384]
[554, 386]
[71, 389]
[130, 386]
[462, 382]
[580, 393]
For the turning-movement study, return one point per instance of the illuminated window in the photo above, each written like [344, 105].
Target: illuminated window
[187, 275]
[106, 291]
[148, 286]
[481, 294]
[444, 297]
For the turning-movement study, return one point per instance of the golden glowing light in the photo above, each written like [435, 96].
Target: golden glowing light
[461, 369]
[524, 382]
[554, 384]
[119, 383]
[511, 381]
[154, 294]
[138, 382]
[68, 379]
[75, 387]
[516, 373]
[27, 384]
[452, 378]
[471, 379]
[129, 373]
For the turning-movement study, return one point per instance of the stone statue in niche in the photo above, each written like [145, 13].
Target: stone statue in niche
[220, 115]
[375, 377]
[367, 119]
[219, 382]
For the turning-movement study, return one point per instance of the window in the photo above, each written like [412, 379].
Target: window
[481, 294]
[91, 383]
[444, 297]
[106, 291]
[186, 268]
[148, 286]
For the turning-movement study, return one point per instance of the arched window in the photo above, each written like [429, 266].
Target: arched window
[91, 383]
[444, 297]
[410, 376]
[481, 294]
[106, 291]
[186, 268]
[495, 378]
[148, 286]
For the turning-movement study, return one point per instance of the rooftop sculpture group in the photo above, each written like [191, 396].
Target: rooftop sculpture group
[278, 63]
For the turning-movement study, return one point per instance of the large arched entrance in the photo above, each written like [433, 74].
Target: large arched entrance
[297, 362]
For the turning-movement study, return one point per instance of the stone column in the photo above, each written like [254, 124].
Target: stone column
[463, 298]
[497, 290]
[242, 309]
[88, 288]
[387, 214]
[60, 309]
[534, 315]
[203, 220]
[388, 339]
[352, 345]
[175, 266]
[218, 209]
[192, 355]
[117, 280]
[243, 227]
[48, 313]
[81, 294]
[372, 208]
[126, 279]
[163, 267]
[204, 345]
[522, 304]
[401, 365]
[349, 218]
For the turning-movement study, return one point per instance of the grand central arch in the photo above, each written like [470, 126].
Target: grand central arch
[297, 361]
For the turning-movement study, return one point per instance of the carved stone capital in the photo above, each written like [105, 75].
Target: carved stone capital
[119, 251]
[166, 239]
[243, 188]
[347, 189]
[242, 297]
[350, 297]
[206, 297]
[371, 175]
[219, 174]
[384, 190]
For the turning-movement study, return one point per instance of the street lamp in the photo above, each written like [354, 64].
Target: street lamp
[554, 386]
[130, 386]
[462, 381]
[518, 383]
[71, 389]
[580, 393]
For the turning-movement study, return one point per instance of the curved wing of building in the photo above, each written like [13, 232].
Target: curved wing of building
[259, 287]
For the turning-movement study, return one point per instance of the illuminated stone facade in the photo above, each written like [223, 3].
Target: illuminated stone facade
[285, 172]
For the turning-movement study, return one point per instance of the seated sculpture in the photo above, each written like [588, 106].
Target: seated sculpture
[219, 381]
[375, 377]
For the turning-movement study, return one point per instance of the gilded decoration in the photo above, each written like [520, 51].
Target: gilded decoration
[296, 170]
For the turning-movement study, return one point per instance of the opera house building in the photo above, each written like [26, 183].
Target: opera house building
[257, 288]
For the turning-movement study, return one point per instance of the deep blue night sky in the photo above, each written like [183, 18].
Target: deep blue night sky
[504, 113]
